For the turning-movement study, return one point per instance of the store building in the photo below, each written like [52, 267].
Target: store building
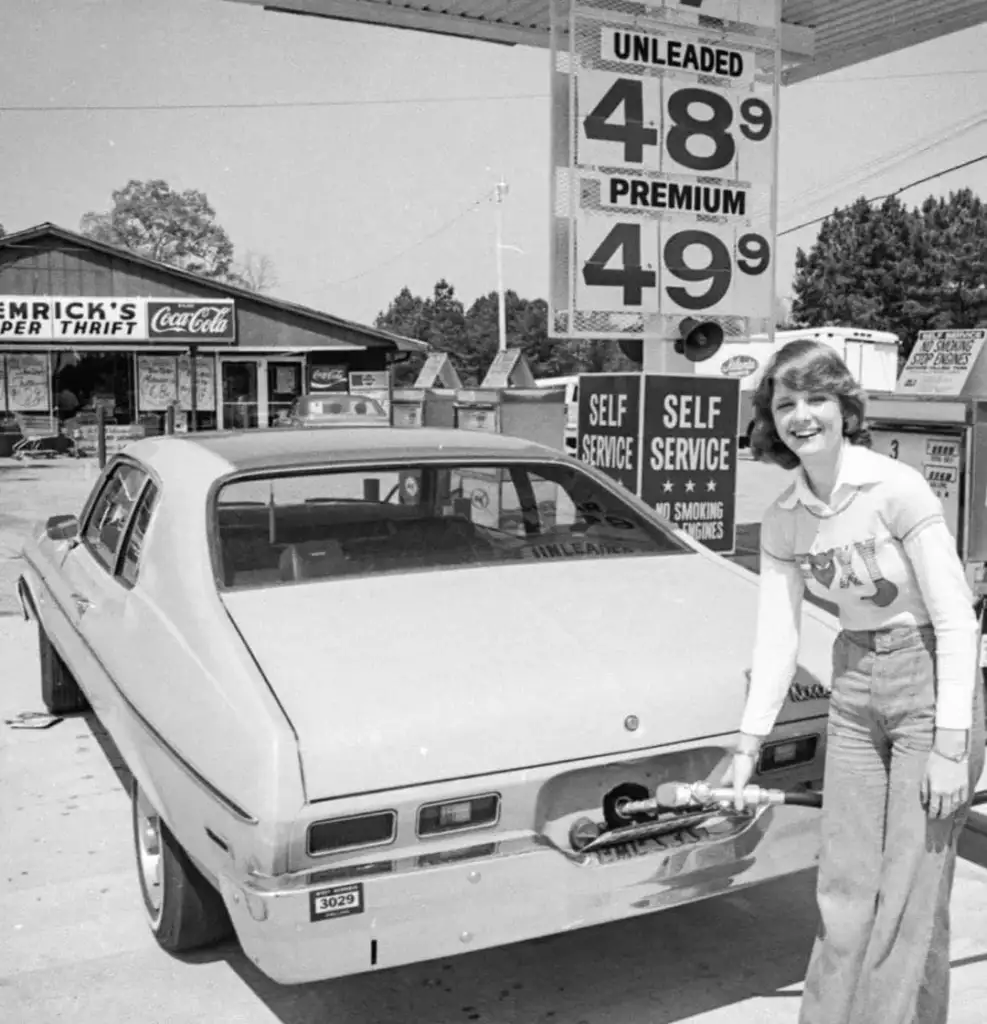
[85, 325]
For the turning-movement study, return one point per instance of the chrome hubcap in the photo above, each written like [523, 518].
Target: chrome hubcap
[149, 852]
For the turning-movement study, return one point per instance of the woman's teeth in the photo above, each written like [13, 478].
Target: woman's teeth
[803, 434]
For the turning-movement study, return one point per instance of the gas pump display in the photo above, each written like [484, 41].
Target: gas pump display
[937, 456]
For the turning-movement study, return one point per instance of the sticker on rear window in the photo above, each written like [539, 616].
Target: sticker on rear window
[336, 901]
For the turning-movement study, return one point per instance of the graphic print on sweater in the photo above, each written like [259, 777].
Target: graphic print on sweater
[826, 566]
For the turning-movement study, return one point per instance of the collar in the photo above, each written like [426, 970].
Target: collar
[859, 467]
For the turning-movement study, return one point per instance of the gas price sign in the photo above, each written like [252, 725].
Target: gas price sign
[666, 155]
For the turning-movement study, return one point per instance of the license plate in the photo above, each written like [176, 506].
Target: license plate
[335, 901]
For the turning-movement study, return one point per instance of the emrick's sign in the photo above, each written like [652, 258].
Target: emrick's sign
[33, 319]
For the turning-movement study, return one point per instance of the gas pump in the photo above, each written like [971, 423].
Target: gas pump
[936, 422]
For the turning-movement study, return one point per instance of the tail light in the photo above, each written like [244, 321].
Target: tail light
[360, 831]
[459, 815]
[787, 753]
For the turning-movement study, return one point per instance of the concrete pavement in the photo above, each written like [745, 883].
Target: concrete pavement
[74, 945]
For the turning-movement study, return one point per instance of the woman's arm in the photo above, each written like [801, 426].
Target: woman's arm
[776, 645]
[931, 550]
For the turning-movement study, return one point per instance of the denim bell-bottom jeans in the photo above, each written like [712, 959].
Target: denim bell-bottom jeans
[881, 955]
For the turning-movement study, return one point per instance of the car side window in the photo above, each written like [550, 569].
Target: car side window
[135, 538]
[107, 521]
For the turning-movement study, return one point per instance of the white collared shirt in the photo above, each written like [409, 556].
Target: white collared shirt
[881, 552]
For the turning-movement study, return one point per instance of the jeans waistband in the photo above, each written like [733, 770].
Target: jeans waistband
[891, 638]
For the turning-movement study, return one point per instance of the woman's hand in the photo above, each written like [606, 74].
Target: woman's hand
[737, 775]
[945, 786]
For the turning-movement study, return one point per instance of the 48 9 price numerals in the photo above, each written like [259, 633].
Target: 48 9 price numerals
[694, 129]
[634, 268]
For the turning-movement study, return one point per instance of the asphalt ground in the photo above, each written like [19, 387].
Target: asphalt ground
[74, 945]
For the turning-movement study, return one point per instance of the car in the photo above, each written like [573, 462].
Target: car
[391, 695]
[337, 410]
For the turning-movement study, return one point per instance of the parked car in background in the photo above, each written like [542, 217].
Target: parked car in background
[337, 410]
[380, 690]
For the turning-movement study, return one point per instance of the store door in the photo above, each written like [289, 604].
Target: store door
[241, 400]
[284, 385]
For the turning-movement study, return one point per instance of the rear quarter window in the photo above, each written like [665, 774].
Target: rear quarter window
[107, 521]
[130, 564]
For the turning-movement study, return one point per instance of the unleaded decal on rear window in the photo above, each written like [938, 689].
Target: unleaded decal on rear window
[336, 901]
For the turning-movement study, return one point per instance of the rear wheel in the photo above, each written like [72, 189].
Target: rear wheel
[184, 910]
[60, 692]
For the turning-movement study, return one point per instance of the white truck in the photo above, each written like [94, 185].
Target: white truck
[871, 355]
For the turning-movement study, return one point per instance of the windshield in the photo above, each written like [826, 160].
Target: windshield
[280, 529]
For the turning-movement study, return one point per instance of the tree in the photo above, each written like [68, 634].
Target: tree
[895, 269]
[178, 228]
[471, 337]
[256, 273]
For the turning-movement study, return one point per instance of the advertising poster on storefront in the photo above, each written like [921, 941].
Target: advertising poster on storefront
[28, 385]
[157, 382]
[205, 373]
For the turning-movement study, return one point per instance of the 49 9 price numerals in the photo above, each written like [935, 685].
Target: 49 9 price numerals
[644, 267]
[653, 124]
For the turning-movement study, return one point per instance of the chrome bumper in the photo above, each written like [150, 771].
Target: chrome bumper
[326, 924]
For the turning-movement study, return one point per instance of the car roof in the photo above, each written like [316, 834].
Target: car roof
[216, 454]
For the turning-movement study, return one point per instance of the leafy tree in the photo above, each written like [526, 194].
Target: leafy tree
[177, 228]
[895, 269]
[471, 336]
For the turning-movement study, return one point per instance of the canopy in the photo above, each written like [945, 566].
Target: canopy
[819, 35]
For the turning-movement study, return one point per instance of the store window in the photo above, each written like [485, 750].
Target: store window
[85, 382]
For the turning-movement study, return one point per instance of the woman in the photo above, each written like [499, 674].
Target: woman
[905, 742]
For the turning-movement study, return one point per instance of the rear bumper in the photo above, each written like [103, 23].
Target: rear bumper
[498, 893]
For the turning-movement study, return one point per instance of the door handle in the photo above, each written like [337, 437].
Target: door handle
[82, 603]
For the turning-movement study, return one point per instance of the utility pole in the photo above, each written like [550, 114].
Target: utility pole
[499, 193]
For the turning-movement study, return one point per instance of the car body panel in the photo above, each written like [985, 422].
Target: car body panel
[454, 673]
[248, 715]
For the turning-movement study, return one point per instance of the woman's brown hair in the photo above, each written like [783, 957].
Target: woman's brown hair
[806, 365]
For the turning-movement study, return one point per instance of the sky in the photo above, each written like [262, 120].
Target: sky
[381, 178]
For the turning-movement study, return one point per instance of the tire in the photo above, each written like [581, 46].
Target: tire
[184, 910]
[60, 693]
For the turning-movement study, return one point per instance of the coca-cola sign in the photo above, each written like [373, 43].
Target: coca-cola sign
[212, 321]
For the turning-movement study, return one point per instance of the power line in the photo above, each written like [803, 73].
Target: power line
[896, 192]
[870, 169]
[272, 105]
[402, 101]
[421, 241]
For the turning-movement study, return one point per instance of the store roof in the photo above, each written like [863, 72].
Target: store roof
[375, 338]
[819, 35]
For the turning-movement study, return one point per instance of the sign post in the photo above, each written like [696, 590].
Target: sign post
[664, 144]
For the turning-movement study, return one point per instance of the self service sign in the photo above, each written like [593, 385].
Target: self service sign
[670, 439]
[664, 140]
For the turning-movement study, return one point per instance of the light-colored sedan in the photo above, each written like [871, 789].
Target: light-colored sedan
[386, 694]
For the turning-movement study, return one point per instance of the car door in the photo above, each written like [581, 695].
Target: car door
[102, 569]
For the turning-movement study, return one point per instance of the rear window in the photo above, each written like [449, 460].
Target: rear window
[282, 529]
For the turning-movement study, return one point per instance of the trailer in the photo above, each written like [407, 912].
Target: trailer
[872, 356]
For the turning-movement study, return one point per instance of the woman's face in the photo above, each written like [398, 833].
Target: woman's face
[808, 422]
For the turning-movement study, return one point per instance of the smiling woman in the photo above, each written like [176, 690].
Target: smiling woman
[905, 742]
